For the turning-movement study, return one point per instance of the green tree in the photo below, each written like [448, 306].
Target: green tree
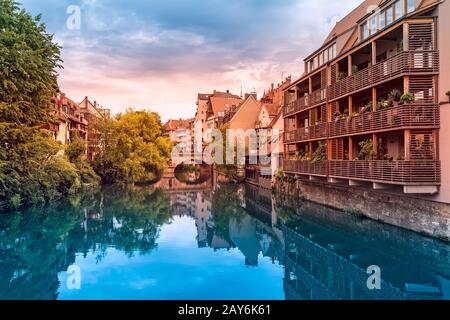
[76, 153]
[32, 170]
[133, 148]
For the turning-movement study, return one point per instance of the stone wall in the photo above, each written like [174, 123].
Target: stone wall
[426, 217]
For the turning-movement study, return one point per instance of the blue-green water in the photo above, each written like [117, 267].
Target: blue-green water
[227, 243]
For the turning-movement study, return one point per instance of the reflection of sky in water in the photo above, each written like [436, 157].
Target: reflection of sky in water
[177, 269]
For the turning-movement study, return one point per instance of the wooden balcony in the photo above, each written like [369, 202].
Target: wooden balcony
[408, 62]
[295, 106]
[303, 103]
[306, 167]
[404, 116]
[319, 131]
[414, 172]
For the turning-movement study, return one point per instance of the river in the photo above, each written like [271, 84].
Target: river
[223, 242]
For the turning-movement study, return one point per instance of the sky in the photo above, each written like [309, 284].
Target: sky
[158, 54]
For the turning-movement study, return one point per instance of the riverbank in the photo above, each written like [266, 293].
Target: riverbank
[425, 217]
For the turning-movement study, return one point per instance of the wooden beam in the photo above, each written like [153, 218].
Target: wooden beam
[374, 53]
[405, 36]
[350, 65]
[350, 148]
[374, 99]
[407, 145]
[435, 137]
[405, 84]
[375, 146]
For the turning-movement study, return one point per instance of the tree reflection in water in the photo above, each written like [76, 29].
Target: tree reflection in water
[38, 243]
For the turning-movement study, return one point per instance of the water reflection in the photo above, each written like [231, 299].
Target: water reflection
[226, 242]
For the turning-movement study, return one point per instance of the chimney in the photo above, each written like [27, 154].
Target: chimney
[228, 91]
[272, 87]
[95, 103]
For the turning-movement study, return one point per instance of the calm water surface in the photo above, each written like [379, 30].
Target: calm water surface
[227, 243]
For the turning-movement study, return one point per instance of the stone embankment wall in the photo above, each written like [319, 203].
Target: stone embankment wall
[423, 216]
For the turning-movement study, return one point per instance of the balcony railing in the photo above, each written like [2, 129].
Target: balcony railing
[295, 106]
[408, 62]
[310, 133]
[315, 98]
[306, 167]
[414, 172]
[405, 116]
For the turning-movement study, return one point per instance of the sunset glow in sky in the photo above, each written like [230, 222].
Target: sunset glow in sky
[158, 54]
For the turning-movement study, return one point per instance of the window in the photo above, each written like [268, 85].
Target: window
[364, 31]
[325, 56]
[410, 6]
[373, 25]
[398, 9]
[382, 20]
[389, 15]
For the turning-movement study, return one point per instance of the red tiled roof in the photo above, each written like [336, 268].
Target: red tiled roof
[272, 109]
[173, 125]
[220, 101]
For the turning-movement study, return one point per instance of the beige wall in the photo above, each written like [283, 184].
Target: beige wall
[444, 86]
[62, 134]
[246, 116]
[201, 113]
[264, 118]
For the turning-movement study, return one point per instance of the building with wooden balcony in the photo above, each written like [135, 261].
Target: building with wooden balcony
[70, 123]
[370, 108]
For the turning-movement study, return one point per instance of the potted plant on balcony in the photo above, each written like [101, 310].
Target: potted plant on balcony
[407, 98]
[352, 115]
[394, 96]
[354, 69]
[366, 150]
[341, 76]
[367, 108]
[448, 95]
[320, 155]
[384, 104]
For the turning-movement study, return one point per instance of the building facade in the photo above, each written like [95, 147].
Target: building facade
[70, 122]
[91, 112]
[370, 108]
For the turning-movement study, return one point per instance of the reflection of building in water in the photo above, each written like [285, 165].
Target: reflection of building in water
[202, 216]
[323, 260]
[243, 234]
[198, 206]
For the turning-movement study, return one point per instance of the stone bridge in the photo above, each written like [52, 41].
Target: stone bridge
[170, 182]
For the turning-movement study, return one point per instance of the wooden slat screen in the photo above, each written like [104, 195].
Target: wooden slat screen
[422, 88]
[337, 149]
[421, 36]
[422, 145]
